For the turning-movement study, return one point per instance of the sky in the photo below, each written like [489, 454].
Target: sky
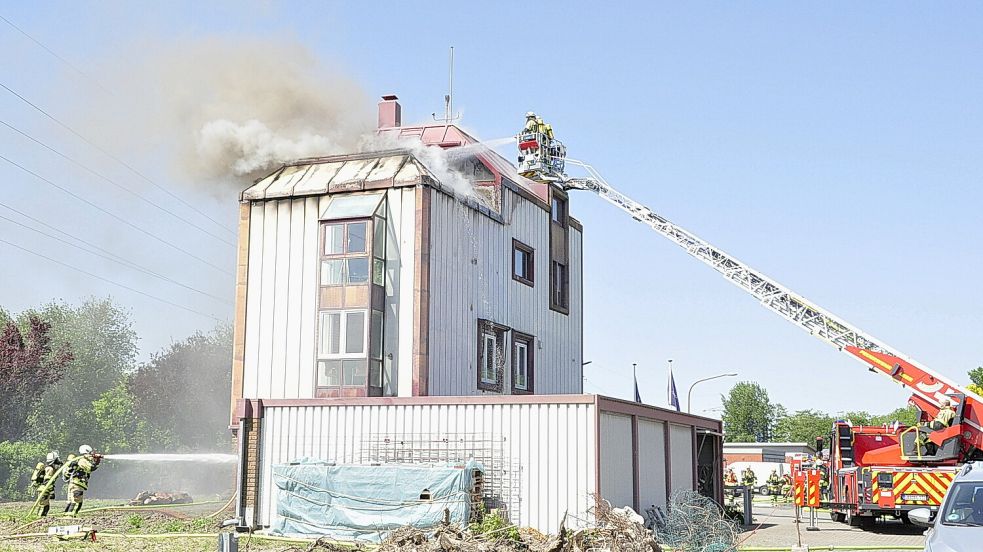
[834, 147]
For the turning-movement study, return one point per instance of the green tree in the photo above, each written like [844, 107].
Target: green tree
[859, 417]
[803, 426]
[748, 415]
[906, 415]
[185, 391]
[103, 345]
[120, 430]
[976, 377]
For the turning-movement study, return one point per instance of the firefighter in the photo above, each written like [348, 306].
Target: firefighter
[824, 482]
[748, 478]
[536, 124]
[41, 479]
[786, 487]
[77, 472]
[945, 416]
[730, 479]
[774, 485]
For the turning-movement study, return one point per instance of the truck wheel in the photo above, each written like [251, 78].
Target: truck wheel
[853, 520]
[763, 490]
[838, 517]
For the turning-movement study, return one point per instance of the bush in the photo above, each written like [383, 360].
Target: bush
[17, 461]
[493, 522]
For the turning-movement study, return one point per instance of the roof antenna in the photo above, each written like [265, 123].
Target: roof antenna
[449, 97]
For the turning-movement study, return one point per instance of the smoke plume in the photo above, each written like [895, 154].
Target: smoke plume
[231, 109]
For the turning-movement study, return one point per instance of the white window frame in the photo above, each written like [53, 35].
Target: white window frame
[487, 355]
[521, 351]
[343, 334]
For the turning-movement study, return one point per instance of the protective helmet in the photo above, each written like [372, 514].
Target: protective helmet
[946, 402]
[530, 114]
[52, 456]
[85, 449]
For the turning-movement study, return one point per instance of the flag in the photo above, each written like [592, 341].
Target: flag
[638, 398]
[671, 391]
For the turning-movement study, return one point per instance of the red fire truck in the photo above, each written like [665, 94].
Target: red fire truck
[873, 471]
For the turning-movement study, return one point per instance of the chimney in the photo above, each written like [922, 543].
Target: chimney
[389, 112]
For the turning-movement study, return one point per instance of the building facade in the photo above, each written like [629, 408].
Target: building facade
[387, 313]
[367, 275]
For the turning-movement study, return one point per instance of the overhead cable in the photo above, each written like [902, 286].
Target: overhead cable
[115, 258]
[108, 281]
[114, 183]
[114, 158]
[117, 217]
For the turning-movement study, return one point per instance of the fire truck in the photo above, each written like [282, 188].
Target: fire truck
[873, 471]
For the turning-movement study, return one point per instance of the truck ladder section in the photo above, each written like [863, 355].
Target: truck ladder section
[928, 388]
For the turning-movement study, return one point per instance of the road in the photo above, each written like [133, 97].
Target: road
[774, 525]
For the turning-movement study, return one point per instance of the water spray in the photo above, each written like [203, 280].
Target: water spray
[208, 458]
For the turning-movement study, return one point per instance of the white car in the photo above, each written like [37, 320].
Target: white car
[958, 525]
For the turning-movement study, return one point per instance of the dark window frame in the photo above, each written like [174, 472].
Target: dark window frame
[530, 342]
[531, 263]
[561, 302]
[559, 210]
[485, 327]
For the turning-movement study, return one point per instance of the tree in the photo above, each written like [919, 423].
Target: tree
[748, 414]
[803, 426]
[27, 368]
[859, 417]
[103, 345]
[905, 416]
[976, 377]
[185, 392]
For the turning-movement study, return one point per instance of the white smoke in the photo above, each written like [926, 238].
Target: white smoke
[251, 146]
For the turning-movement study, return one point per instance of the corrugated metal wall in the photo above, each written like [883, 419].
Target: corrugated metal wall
[617, 482]
[281, 295]
[652, 463]
[471, 278]
[553, 445]
[681, 455]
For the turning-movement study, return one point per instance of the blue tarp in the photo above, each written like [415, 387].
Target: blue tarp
[362, 502]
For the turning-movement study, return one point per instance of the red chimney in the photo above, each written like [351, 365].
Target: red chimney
[389, 112]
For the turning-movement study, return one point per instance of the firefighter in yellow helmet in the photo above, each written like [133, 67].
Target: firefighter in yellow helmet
[774, 485]
[535, 123]
[77, 472]
[42, 478]
[945, 416]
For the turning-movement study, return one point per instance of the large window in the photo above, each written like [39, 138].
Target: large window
[491, 355]
[523, 263]
[558, 210]
[342, 348]
[522, 363]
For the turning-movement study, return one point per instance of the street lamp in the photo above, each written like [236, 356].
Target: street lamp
[689, 394]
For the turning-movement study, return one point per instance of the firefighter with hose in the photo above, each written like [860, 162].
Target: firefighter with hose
[43, 480]
[77, 471]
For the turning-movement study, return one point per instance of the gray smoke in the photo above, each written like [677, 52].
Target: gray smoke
[231, 109]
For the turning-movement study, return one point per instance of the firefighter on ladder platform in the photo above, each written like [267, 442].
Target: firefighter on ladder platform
[541, 156]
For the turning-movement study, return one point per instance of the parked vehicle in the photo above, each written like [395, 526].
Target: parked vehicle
[762, 470]
[958, 524]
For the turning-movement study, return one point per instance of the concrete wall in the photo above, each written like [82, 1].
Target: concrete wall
[471, 278]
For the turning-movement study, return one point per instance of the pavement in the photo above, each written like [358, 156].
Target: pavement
[774, 526]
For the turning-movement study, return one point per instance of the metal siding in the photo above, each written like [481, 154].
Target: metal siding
[652, 462]
[250, 373]
[617, 485]
[403, 209]
[471, 278]
[531, 437]
[681, 456]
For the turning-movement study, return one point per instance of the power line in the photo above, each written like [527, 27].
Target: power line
[114, 183]
[108, 281]
[53, 53]
[115, 216]
[114, 258]
[115, 158]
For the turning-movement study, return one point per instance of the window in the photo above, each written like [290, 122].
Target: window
[522, 363]
[345, 249]
[559, 286]
[342, 348]
[558, 210]
[523, 266]
[491, 355]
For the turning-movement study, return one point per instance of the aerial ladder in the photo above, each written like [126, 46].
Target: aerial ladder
[961, 441]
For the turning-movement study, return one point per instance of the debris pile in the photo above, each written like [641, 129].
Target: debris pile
[157, 498]
[693, 522]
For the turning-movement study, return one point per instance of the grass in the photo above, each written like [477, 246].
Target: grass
[126, 522]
